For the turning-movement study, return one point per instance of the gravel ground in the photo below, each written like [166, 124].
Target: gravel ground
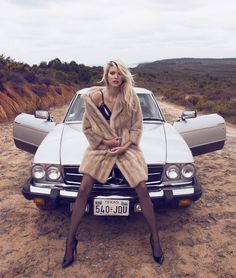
[199, 241]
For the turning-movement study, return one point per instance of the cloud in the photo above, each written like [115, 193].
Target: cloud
[92, 31]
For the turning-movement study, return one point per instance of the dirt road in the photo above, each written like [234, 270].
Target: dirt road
[199, 241]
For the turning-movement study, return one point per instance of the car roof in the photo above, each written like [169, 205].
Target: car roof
[138, 90]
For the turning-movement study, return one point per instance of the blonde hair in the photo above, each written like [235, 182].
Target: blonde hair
[127, 85]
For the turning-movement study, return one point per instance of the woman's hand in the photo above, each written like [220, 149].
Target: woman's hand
[112, 143]
[118, 150]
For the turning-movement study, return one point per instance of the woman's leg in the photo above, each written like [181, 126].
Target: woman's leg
[148, 213]
[78, 212]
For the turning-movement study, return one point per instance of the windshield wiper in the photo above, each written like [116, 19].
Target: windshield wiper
[153, 119]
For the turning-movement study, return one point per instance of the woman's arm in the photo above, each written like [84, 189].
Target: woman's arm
[94, 139]
[136, 123]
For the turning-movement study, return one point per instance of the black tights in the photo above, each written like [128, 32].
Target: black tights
[78, 212]
[80, 204]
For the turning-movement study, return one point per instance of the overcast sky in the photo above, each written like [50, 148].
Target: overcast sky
[92, 32]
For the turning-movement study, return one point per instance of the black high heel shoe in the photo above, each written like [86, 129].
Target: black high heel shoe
[68, 262]
[157, 259]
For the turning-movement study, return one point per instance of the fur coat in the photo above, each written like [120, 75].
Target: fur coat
[97, 161]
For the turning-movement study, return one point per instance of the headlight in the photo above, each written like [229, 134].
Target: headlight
[53, 173]
[188, 171]
[172, 172]
[38, 172]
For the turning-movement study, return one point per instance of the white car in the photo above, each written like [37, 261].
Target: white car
[168, 151]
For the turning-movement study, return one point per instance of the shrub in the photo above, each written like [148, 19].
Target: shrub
[1, 86]
[18, 89]
[39, 91]
[30, 77]
[233, 105]
[58, 90]
[61, 76]
[206, 105]
[215, 95]
[202, 84]
[193, 99]
[15, 77]
[1, 75]
[223, 108]
[43, 65]
[46, 81]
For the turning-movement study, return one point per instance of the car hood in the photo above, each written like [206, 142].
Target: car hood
[74, 144]
[160, 144]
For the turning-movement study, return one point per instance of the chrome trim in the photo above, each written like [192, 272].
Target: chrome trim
[181, 191]
[153, 182]
[53, 185]
[74, 182]
[40, 190]
[155, 173]
[160, 193]
[156, 194]
[110, 186]
[74, 174]
[176, 183]
[68, 193]
[114, 197]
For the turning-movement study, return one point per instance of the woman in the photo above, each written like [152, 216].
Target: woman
[112, 123]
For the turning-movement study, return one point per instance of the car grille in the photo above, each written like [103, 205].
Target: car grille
[116, 179]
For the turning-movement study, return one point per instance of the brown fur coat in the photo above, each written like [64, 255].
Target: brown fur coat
[97, 162]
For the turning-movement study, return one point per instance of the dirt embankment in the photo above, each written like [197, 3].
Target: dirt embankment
[199, 241]
[29, 97]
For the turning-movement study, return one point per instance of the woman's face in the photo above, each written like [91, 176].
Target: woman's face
[114, 77]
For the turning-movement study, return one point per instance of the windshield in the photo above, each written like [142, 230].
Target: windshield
[149, 108]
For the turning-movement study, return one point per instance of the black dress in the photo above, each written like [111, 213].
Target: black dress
[106, 112]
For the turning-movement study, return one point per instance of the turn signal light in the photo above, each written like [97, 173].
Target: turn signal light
[184, 203]
[39, 201]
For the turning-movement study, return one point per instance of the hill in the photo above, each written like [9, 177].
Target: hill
[25, 89]
[201, 84]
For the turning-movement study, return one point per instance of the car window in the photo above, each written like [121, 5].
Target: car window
[149, 109]
[76, 110]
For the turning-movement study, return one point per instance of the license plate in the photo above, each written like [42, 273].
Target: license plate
[111, 207]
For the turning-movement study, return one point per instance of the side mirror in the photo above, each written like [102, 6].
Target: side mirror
[42, 114]
[188, 115]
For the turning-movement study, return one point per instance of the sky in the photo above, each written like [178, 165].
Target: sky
[92, 32]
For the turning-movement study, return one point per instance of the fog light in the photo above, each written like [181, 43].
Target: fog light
[39, 201]
[137, 208]
[184, 203]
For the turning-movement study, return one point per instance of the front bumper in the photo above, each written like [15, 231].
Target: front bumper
[161, 196]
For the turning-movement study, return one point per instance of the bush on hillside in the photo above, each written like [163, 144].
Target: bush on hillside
[1, 86]
[18, 89]
[39, 91]
[30, 77]
[15, 77]
[46, 81]
[223, 108]
[58, 90]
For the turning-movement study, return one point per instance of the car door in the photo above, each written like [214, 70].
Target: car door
[203, 134]
[29, 131]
